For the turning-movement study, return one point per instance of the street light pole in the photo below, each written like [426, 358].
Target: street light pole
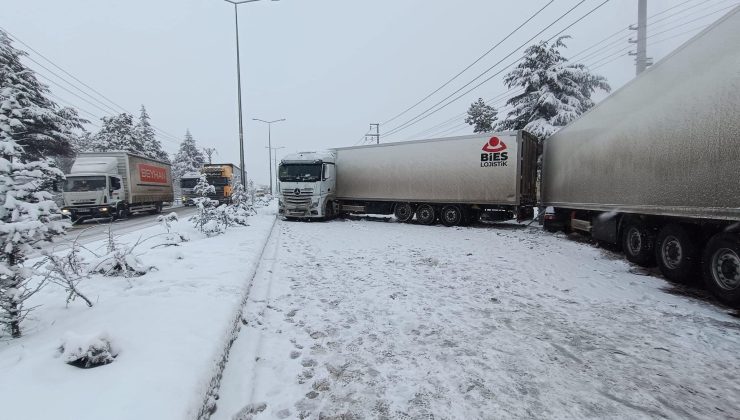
[236, 4]
[269, 144]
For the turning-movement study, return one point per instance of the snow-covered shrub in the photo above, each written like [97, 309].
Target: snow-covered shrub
[68, 271]
[120, 260]
[171, 238]
[87, 351]
[208, 217]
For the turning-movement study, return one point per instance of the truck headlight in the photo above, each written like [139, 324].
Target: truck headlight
[314, 204]
[104, 209]
[66, 212]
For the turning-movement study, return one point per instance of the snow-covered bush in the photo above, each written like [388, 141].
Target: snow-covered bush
[171, 238]
[120, 260]
[209, 217]
[87, 351]
[68, 271]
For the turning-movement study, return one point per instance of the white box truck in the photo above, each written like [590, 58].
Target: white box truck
[452, 180]
[114, 184]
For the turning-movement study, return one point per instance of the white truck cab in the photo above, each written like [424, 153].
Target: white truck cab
[93, 187]
[307, 185]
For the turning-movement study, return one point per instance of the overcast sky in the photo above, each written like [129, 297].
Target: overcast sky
[330, 67]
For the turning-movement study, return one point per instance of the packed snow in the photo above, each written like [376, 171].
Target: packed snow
[357, 319]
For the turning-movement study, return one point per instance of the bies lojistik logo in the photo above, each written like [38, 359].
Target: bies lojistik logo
[495, 153]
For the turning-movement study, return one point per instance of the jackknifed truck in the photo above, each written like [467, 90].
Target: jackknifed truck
[655, 167]
[115, 184]
[454, 180]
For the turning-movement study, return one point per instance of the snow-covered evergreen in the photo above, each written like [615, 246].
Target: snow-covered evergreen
[189, 157]
[27, 115]
[481, 116]
[144, 132]
[118, 133]
[28, 218]
[556, 92]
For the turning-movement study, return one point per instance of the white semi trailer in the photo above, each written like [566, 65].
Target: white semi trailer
[655, 167]
[114, 184]
[451, 180]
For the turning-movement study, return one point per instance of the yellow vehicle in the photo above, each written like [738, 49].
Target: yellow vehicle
[224, 177]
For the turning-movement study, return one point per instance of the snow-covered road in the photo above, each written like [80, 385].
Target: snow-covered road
[361, 319]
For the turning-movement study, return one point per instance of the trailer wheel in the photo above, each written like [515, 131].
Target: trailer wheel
[425, 214]
[452, 215]
[403, 212]
[677, 254]
[638, 242]
[722, 267]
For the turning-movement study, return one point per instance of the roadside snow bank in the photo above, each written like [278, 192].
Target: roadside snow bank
[168, 328]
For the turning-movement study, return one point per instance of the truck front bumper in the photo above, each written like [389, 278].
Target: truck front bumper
[82, 213]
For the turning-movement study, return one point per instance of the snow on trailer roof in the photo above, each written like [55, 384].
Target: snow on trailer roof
[324, 156]
[453, 138]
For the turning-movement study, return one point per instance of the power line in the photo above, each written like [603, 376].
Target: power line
[596, 64]
[470, 65]
[162, 133]
[422, 116]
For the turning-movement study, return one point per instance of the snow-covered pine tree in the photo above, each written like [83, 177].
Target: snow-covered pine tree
[117, 133]
[481, 116]
[189, 157]
[556, 92]
[28, 217]
[144, 131]
[38, 125]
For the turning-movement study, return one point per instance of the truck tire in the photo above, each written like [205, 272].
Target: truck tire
[403, 212]
[425, 214]
[677, 254]
[157, 209]
[328, 210]
[451, 215]
[722, 267]
[638, 242]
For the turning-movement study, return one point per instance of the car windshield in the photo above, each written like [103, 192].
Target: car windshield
[188, 182]
[300, 172]
[85, 183]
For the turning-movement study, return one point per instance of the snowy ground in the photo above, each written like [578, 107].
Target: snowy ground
[359, 319]
[170, 326]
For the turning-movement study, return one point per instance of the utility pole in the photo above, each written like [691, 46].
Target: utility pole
[269, 143]
[209, 151]
[642, 61]
[376, 134]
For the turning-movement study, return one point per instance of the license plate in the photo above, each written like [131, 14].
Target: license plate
[83, 211]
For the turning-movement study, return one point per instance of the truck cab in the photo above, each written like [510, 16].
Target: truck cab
[187, 184]
[307, 185]
[93, 189]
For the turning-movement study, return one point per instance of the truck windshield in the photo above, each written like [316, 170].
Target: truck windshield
[218, 181]
[85, 183]
[300, 172]
[188, 182]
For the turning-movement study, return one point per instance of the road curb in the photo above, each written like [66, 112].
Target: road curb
[208, 402]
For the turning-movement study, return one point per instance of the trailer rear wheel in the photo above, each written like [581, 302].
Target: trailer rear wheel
[452, 215]
[638, 242]
[403, 212]
[722, 267]
[677, 254]
[425, 214]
